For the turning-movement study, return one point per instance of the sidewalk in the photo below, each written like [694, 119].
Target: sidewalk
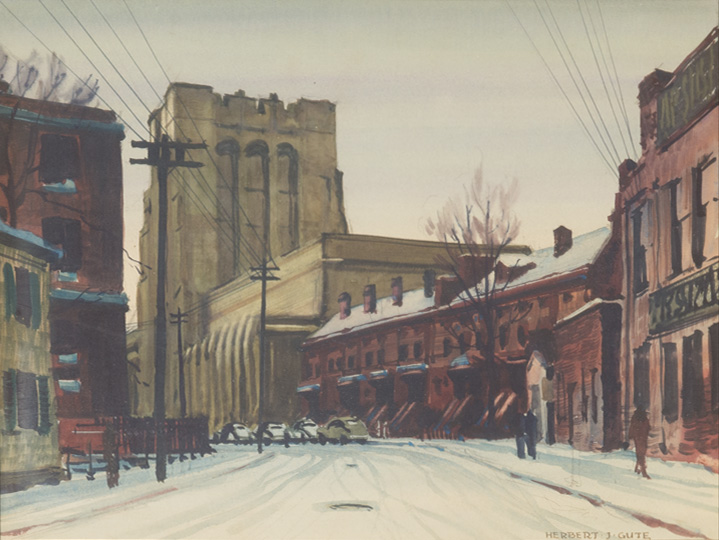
[680, 497]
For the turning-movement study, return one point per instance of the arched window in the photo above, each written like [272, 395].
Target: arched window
[287, 217]
[257, 187]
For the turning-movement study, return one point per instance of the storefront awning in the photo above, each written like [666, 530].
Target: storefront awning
[460, 361]
[412, 369]
[349, 379]
[381, 374]
[308, 388]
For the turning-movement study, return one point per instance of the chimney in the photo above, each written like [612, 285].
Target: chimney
[370, 299]
[562, 240]
[345, 302]
[397, 291]
[429, 277]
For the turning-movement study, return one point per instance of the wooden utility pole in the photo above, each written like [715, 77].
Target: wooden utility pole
[262, 274]
[179, 318]
[159, 155]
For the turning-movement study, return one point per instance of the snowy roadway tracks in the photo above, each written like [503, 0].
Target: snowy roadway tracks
[385, 489]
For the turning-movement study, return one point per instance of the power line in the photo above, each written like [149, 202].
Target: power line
[581, 77]
[190, 117]
[186, 184]
[561, 89]
[93, 65]
[616, 76]
[601, 75]
[69, 68]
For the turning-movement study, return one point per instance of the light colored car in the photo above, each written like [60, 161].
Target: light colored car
[273, 432]
[233, 432]
[303, 430]
[343, 430]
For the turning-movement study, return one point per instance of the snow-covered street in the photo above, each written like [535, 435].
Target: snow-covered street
[385, 489]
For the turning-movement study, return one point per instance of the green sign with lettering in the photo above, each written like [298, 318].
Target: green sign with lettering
[688, 300]
[694, 87]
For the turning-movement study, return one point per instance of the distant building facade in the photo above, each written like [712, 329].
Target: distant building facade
[62, 180]
[270, 181]
[669, 209]
[409, 365]
[29, 452]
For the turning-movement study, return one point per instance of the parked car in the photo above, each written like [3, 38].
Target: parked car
[303, 430]
[276, 432]
[343, 430]
[233, 432]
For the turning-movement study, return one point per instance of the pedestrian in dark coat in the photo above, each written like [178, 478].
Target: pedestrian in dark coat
[519, 434]
[639, 432]
[530, 423]
[111, 456]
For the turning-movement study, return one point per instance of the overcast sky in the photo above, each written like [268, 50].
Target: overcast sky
[426, 91]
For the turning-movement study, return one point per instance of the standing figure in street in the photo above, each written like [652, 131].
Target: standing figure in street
[530, 427]
[111, 456]
[639, 432]
[519, 434]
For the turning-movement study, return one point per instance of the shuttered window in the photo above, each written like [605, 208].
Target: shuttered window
[9, 382]
[27, 404]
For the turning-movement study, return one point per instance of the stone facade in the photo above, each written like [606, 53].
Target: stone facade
[29, 452]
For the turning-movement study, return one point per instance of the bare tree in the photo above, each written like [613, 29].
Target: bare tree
[38, 78]
[477, 230]
[46, 79]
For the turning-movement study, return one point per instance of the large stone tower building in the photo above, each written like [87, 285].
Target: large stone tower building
[269, 186]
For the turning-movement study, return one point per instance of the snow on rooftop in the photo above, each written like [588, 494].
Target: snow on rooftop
[585, 249]
[28, 238]
[413, 302]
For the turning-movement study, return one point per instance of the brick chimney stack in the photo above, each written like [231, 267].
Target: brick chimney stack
[345, 302]
[397, 291]
[562, 240]
[370, 298]
[429, 277]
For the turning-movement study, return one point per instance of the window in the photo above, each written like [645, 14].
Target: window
[522, 336]
[350, 362]
[699, 218]
[641, 377]
[63, 337]
[446, 347]
[340, 364]
[670, 406]
[26, 402]
[675, 235]
[308, 371]
[463, 342]
[380, 357]
[22, 295]
[288, 216]
[503, 336]
[692, 383]
[67, 234]
[478, 340]
[639, 253]
[331, 365]
[59, 158]
[417, 349]
[403, 353]
[368, 359]
[714, 365]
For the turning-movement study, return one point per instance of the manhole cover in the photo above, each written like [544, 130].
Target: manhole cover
[351, 506]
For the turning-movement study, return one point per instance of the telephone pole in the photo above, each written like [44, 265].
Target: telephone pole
[179, 318]
[159, 155]
[262, 274]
